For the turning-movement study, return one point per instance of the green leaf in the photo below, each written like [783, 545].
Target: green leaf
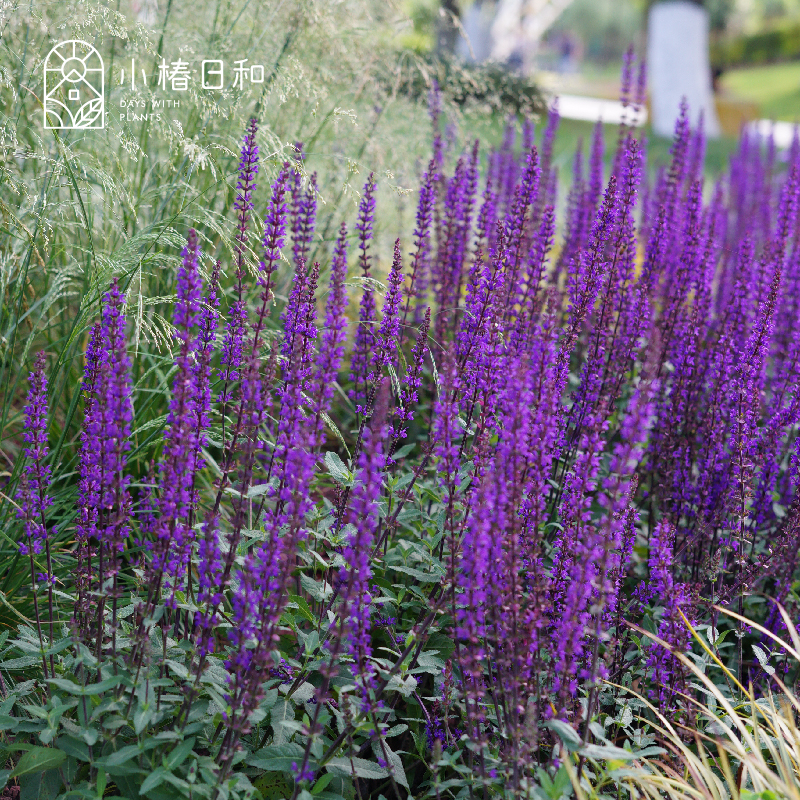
[179, 754]
[141, 719]
[41, 785]
[59, 646]
[273, 786]
[21, 662]
[73, 747]
[403, 685]
[396, 764]
[260, 489]
[152, 780]
[764, 794]
[429, 662]
[122, 755]
[606, 752]
[403, 451]
[303, 606]
[128, 785]
[321, 783]
[321, 591]
[422, 577]
[276, 758]
[38, 759]
[649, 752]
[358, 766]
[91, 689]
[282, 712]
[337, 469]
[565, 732]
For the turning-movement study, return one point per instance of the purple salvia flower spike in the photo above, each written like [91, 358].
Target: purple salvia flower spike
[487, 219]
[304, 212]
[575, 215]
[89, 480]
[594, 187]
[447, 239]
[334, 337]
[625, 92]
[669, 675]
[245, 187]
[111, 424]
[467, 202]
[418, 283]
[516, 226]
[355, 611]
[365, 334]
[33, 497]
[206, 346]
[173, 532]
[232, 348]
[388, 336]
[640, 96]
[274, 239]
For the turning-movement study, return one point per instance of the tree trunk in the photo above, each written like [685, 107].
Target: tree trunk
[447, 28]
[678, 65]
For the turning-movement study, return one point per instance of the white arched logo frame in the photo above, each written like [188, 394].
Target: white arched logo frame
[74, 87]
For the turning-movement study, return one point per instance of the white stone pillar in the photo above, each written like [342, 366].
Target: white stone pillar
[678, 65]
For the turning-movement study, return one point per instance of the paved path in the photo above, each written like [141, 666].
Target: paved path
[611, 112]
[591, 109]
[782, 132]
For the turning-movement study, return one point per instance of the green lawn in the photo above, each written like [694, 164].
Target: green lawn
[571, 132]
[776, 89]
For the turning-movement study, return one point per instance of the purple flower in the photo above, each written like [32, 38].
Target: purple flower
[274, 239]
[447, 266]
[173, 531]
[334, 336]
[388, 335]
[245, 186]
[356, 608]
[261, 583]
[418, 283]
[304, 775]
[32, 495]
[577, 553]
[109, 428]
[232, 348]
[365, 335]
[90, 477]
[668, 673]
[206, 346]
[304, 210]
[516, 221]
[487, 219]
